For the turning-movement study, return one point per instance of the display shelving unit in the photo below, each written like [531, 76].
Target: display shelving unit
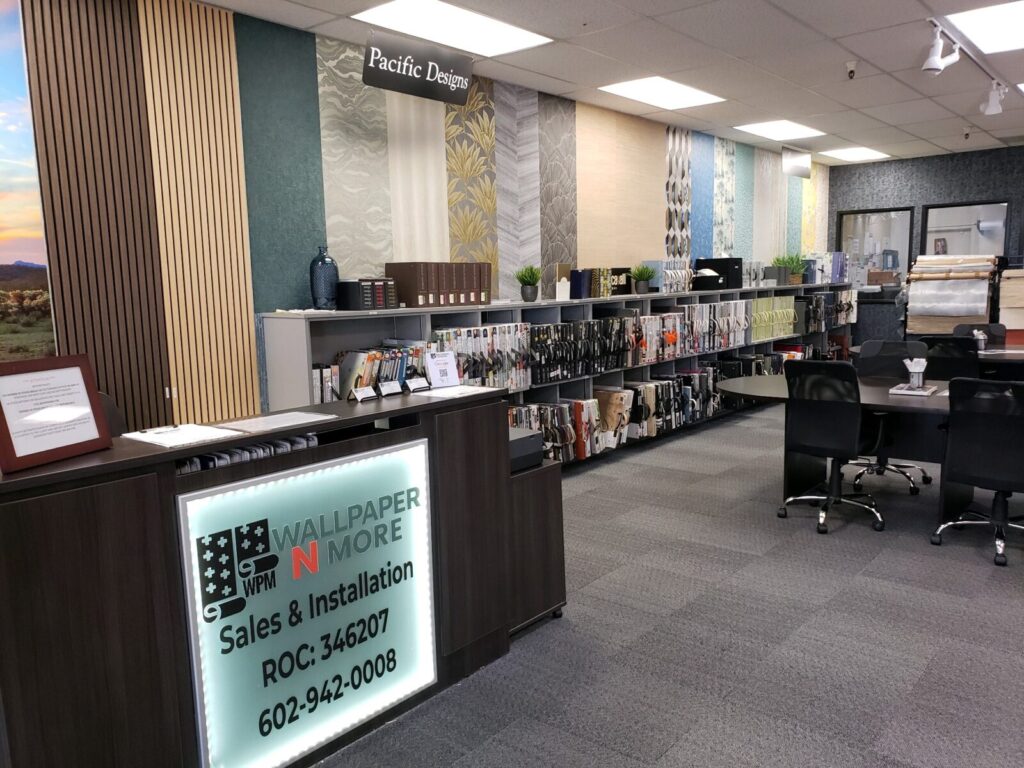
[295, 341]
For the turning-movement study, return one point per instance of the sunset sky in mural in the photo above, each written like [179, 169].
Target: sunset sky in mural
[21, 225]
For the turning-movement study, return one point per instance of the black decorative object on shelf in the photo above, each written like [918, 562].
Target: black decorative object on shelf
[323, 280]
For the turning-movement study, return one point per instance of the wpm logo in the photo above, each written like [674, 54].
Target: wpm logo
[233, 557]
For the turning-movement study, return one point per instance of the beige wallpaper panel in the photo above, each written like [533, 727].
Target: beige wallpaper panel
[620, 174]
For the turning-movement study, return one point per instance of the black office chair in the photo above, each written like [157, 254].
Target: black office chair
[823, 418]
[984, 449]
[885, 359]
[996, 332]
[115, 419]
[951, 357]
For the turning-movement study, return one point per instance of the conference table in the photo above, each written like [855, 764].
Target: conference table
[912, 427]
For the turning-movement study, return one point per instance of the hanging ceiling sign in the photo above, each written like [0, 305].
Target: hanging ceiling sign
[410, 66]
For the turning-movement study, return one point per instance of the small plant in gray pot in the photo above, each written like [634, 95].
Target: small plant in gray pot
[642, 275]
[529, 280]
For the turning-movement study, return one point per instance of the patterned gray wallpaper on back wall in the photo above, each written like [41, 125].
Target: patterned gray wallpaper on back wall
[517, 157]
[677, 193]
[354, 144]
[966, 177]
[558, 212]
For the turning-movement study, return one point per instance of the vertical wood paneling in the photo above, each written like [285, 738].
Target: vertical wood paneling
[195, 129]
[89, 118]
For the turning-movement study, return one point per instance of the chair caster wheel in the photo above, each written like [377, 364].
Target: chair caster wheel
[926, 479]
[914, 490]
[822, 528]
[782, 512]
[1000, 559]
[880, 471]
[937, 540]
[556, 614]
[878, 525]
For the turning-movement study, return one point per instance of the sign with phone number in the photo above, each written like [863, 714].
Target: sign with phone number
[311, 603]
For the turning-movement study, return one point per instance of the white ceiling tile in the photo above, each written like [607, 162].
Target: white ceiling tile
[733, 79]
[680, 120]
[837, 18]
[498, 71]
[279, 11]
[1009, 64]
[869, 137]
[611, 101]
[946, 7]
[345, 29]
[340, 7]
[977, 140]
[730, 113]
[838, 122]
[746, 28]
[955, 79]
[559, 20]
[819, 63]
[916, 148]
[1009, 119]
[817, 143]
[874, 91]
[652, 46]
[895, 48]
[904, 112]
[794, 102]
[659, 7]
[577, 65]
[1014, 138]
[934, 128]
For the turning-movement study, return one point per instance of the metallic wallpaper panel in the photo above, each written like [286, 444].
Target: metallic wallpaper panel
[769, 206]
[725, 197]
[678, 193]
[743, 239]
[558, 208]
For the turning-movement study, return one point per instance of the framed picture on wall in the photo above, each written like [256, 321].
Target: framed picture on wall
[940, 247]
[50, 410]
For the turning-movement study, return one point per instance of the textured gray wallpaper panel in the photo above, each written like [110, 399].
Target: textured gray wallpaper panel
[558, 234]
[966, 177]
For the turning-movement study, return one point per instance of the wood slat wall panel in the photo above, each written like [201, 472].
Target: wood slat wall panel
[195, 130]
[89, 117]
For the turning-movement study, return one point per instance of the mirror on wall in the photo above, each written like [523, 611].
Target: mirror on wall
[977, 229]
[876, 240]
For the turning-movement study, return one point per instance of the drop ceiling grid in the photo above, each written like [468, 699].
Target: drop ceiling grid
[769, 58]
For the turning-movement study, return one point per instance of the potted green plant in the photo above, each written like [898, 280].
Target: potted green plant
[529, 279]
[642, 275]
[794, 265]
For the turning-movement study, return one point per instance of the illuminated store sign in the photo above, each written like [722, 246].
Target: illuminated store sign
[311, 603]
[419, 69]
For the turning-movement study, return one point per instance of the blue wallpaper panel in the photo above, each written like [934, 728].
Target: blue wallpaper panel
[743, 239]
[702, 173]
[794, 214]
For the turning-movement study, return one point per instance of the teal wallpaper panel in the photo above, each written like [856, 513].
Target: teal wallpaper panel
[277, 81]
[794, 214]
[743, 239]
[725, 197]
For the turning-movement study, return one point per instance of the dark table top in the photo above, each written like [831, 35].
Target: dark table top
[874, 394]
[1007, 353]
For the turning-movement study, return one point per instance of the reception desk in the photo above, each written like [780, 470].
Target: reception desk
[138, 629]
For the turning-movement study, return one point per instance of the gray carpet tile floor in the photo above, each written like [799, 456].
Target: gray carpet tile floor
[702, 630]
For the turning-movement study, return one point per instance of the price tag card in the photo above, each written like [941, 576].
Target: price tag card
[442, 370]
[364, 393]
[389, 388]
[416, 384]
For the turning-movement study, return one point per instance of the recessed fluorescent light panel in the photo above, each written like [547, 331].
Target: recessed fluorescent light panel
[780, 130]
[993, 29]
[855, 154]
[1020, 87]
[661, 93]
[448, 25]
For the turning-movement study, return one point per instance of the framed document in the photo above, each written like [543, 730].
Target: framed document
[49, 410]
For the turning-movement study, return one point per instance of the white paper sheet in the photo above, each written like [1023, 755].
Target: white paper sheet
[184, 434]
[47, 410]
[277, 421]
[453, 392]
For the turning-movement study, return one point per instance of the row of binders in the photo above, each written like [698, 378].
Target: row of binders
[246, 453]
[576, 429]
[441, 284]
[393, 361]
[489, 355]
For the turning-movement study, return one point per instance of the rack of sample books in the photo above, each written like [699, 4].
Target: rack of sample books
[678, 331]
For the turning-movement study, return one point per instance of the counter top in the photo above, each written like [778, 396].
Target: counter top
[126, 455]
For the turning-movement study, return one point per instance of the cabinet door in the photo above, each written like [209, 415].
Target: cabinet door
[536, 544]
[471, 469]
[94, 668]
